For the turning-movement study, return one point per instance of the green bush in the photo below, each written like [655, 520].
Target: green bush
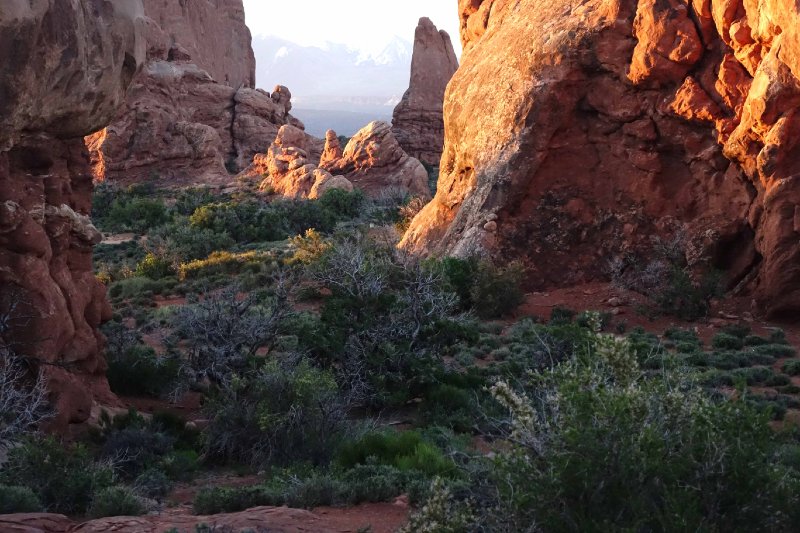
[181, 465]
[497, 291]
[63, 477]
[681, 297]
[126, 289]
[726, 341]
[153, 484]
[116, 501]
[133, 213]
[605, 447]
[209, 501]
[405, 450]
[792, 367]
[18, 500]
[154, 267]
[132, 450]
[279, 414]
[138, 371]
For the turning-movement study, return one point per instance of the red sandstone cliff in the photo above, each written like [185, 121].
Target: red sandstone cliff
[192, 115]
[64, 70]
[418, 123]
[576, 130]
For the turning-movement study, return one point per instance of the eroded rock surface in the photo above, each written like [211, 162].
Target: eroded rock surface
[418, 123]
[586, 128]
[64, 71]
[374, 161]
[275, 519]
[192, 114]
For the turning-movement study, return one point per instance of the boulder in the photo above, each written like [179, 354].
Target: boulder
[71, 66]
[418, 123]
[374, 162]
[588, 129]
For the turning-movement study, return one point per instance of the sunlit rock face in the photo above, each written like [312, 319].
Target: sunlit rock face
[418, 123]
[192, 114]
[374, 161]
[577, 131]
[64, 73]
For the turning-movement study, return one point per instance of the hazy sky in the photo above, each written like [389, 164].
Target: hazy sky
[364, 24]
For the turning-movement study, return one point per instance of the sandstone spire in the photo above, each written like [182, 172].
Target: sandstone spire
[418, 123]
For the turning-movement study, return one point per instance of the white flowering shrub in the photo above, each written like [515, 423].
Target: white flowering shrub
[441, 513]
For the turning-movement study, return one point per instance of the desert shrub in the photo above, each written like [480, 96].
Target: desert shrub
[132, 450]
[277, 414]
[778, 336]
[407, 212]
[181, 465]
[792, 367]
[404, 450]
[490, 290]
[343, 204]
[135, 214]
[182, 242]
[154, 267]
[220, 263]
[665, 278]
[441, 513]
[602, 447]
[223, 331]
[726, 341]
[363, 483]
[136, 370]
[209, 501]
[774, 350]
[152, 484]
[23, 389]
[247, 221]
[497, 290]
[753, 375]
[126, 289]
[755, 340]
[18, 500]
[778, 380]
[308, 248]
[116, 501]
[189, 200]
[63, 477]
[384, 321]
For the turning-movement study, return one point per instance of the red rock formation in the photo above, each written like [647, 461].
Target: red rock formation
[418, 123]
[64, 77]
[286, 169]
[586, 128]
[333, 148]
[374, 161]
[280, 520]
[192, 115]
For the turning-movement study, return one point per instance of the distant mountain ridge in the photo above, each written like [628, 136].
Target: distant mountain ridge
[343, 82]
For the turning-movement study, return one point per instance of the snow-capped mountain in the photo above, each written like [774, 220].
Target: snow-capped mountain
[335, 79]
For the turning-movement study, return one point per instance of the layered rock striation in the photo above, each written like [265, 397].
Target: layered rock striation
[192, 114]
[418, 123]
[578, 131]
[65, 71]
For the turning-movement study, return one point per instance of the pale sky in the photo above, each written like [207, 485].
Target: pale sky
[364, 24]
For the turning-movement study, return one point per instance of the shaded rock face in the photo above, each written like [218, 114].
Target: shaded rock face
[192, 116]
[418, 123]
[588, 127]
[374, 161]
[66, 70]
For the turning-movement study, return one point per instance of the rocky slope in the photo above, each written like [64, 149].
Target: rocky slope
[418, 123]
[71, 65]
[576, 130]
[192, 115]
